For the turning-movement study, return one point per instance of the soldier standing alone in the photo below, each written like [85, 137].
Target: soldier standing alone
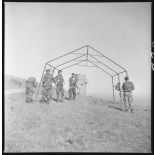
[47, 86]
[59, 80]
[127, 87]
[72, 86]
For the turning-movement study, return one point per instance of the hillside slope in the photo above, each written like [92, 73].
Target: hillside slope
[12, 82]
[86, 125]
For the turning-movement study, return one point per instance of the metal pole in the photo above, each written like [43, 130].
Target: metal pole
[41, 80]
[72, 65]
[107, 58]
[113, 88]
[119, 73]
[126, 73]
[53, 71]
[100, 68]
[103, 64]
[120, 86]
[52, 66]
[67, 54]
[87, 55]
[71, 60]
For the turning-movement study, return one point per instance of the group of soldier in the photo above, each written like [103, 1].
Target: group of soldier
[49, 81]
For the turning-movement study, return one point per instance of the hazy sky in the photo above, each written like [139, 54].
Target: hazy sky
[38, 32]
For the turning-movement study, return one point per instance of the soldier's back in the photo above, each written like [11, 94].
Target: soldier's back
[128, 86]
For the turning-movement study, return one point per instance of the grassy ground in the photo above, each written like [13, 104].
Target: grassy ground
[89, 124]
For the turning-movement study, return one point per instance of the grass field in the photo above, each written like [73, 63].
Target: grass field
[88, 124]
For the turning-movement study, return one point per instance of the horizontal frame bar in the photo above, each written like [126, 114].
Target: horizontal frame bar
[100, 68]
[71, 60]
[107, 58]
[102, 63]
[67, 53]
[72, 65]
[52, 66]
[119, 73]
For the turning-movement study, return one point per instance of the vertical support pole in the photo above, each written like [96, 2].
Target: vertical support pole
[40, 81]
[120, 86]
[113, 87]
[53, 70]
[87, 56]
[126, 73]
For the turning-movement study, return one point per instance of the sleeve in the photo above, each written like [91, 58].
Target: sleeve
[133, 87]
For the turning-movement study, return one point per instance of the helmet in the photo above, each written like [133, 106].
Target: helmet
[126, 78]
[59, 71]
[47, 70]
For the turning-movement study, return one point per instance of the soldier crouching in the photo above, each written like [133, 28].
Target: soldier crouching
[30, 86]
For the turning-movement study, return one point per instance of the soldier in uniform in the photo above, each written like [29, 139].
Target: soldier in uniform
[30, 86]
[59, 81]
[72, 86]
[47, 86]
[127, 87]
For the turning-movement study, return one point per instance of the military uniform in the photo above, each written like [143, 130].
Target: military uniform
[47, 87]
[127, 98]
[72, 87]
[30, 89]
[59, 87]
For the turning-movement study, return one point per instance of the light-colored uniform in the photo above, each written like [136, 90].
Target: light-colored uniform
[72, 87]
[59, 80]
[30, 89]
[47, 87]
[127, 98]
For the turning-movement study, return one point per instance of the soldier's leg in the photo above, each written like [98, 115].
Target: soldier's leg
[58, 93]
[62, 94]
[30, 96]
[26, 95]
[125, 99]
[44, 94]
[70, 93]
[130, 100]
[74, 93]
[49, 91]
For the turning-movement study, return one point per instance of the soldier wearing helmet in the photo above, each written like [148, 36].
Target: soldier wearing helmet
[47, 86]
[72, 86]
[127, 87]
[59, 81]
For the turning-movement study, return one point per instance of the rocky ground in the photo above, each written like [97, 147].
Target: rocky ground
[88, 124]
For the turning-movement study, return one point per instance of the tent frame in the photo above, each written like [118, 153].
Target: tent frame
[94, 63]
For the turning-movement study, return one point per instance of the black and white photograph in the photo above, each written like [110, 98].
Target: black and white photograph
[77, 77]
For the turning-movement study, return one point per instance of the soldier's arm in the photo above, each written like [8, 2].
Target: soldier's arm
[44, 79]
[133, 87]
